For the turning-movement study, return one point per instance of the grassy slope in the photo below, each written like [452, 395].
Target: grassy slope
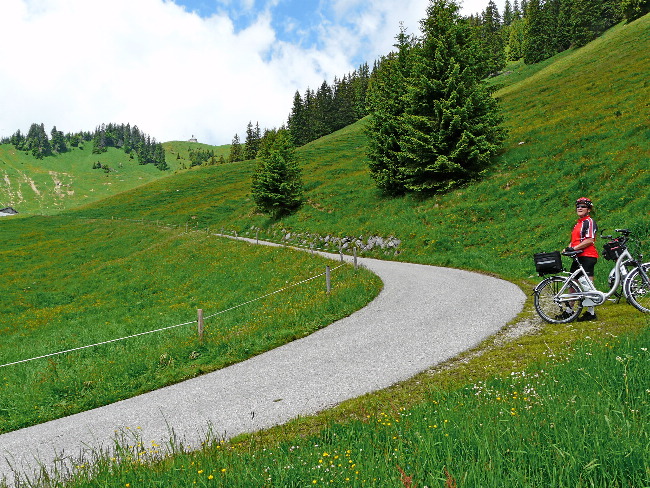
[578, 126]
[68, 283]
[57, 183]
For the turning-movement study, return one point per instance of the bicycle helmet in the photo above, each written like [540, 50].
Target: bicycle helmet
[584, 201]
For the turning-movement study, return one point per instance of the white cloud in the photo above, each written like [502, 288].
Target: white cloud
[78, 63]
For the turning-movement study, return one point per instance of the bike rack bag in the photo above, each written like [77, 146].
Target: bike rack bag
[548, 262]
[613, 250]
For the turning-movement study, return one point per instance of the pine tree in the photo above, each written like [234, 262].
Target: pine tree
[491, 37]
[507, 13]
[516, 36]
[37, 141]
[58, 141]
[386, 93]
[236, 150]
[297, 122]
[634, 9]
[277, 184]
[535, 37]
[252, 142]
[451, 126]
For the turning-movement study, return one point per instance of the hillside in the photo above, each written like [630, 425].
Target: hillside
[62, 182]
[578, 126]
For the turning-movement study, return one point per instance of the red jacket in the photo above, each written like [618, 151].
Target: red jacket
[585, 228]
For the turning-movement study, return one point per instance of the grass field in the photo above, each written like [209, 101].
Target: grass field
[561, 406]
[71, 283]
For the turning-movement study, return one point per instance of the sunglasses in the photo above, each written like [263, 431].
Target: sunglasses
[582, 206]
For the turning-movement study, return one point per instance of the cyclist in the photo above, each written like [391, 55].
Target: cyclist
[583, 237]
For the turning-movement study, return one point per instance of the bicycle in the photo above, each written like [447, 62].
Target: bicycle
[560, 299]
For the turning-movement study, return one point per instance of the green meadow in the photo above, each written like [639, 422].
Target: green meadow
[536, 405]
[69, 283]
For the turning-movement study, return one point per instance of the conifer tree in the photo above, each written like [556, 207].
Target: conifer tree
[516, 36]
[37, 141]
[296, 122]
[58, 141]
[252, 142]
[236, 150]
[277, 183]
[451, 126]
[386, 93]
[507, 13]
[535, 37]
[491, 39]
[634, 9]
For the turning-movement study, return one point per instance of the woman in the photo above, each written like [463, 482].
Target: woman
[583, 238]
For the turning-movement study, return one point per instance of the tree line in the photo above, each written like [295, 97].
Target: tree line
[534, 30]
[121, 136]
[314, 114]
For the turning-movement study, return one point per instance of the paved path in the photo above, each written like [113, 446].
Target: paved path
[423, 316]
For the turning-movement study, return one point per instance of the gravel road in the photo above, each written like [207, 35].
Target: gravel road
[423, 316]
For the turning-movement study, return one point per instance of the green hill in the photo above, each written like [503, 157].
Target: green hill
[578, 126]
[58, 183]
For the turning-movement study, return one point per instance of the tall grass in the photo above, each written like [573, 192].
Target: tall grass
[107, 280]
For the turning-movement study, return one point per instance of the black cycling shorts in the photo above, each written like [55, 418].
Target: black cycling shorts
[588, 263]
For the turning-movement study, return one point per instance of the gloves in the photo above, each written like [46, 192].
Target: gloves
[569, 249]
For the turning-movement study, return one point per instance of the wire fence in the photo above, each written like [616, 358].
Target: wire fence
[293, 285]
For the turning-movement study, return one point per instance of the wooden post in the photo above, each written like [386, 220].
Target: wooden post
[200, 324]
[355, 257]
[328, 280]
[257, 237]
[341, 252]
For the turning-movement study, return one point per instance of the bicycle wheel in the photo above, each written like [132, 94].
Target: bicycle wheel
[548, 304]
[637, 288]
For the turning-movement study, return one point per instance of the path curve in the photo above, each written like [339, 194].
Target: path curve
[424, 315]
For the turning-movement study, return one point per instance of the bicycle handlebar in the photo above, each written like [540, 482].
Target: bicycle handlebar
[624, 233]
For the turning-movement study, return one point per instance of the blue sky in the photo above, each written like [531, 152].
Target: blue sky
[178, 68]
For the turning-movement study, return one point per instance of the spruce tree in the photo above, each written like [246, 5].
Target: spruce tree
[277, 183]
[252, 142]
[535, 37]
[386, 93]
[58, 141]
[491, 39]
[634, 9]
[451, 126]
[236, 150]
[37, 141]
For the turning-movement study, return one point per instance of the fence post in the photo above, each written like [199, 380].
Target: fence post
[200, 324]
[341, 252]
[355, 257]
[328, 280]
[257, 237]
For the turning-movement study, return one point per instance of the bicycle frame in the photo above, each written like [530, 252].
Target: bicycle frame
[589, 294]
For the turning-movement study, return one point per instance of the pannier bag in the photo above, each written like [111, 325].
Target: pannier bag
[613, 250]
[548, 262]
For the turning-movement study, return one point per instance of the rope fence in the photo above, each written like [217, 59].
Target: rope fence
[199, 320]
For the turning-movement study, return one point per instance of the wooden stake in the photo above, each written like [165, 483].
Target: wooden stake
[328, 280]
[200, 324]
